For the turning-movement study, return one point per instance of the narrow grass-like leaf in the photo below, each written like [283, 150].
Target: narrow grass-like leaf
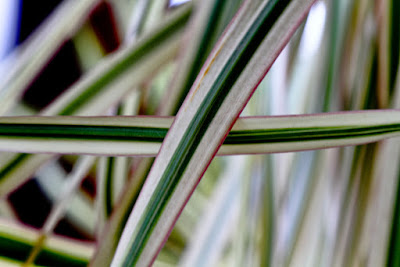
[192, 53]
[115, 224]
[113, 171]
[207, 24]
[142, 136]
[215, 101]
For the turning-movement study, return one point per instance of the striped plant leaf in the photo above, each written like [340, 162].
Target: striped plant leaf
[199, 40]
[224, 86]
[114, 170]
[143, 135]
[207, 24]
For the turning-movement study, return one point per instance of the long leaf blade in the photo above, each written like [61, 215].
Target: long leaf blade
[203, 121]
[142, 136]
